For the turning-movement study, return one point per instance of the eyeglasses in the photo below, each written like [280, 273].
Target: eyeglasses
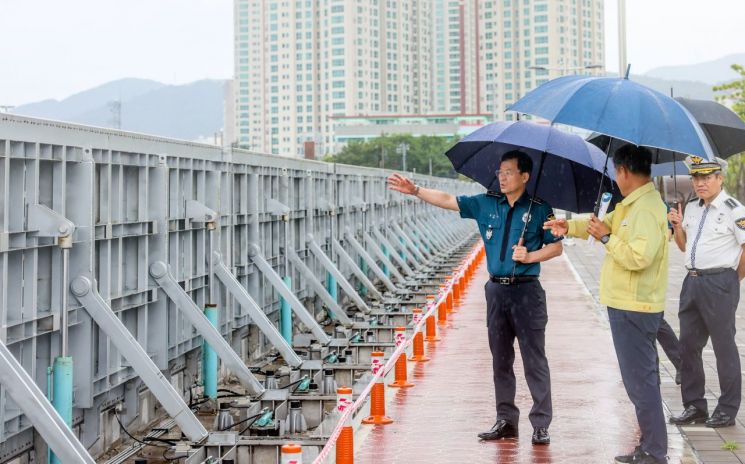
[505, 173]
[703, 179]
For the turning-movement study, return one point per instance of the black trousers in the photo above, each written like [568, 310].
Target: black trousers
[707, 309]
[634, 335]
[519, 311]
[669, 343]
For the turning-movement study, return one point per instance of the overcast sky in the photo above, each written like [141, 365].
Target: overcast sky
[54, 48]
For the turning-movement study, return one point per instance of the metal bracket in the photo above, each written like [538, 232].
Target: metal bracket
[447, 239]
[358, 202]
[375, 247]
[426, 243]
[37, 408]
[276, 208]
[49, 223]
[393, 249]
[84, 290]
[370, 262]
[334, 271]
[409, 243]
[320, 290]
[297, 307]
[162, 275]
[323, 204]
[257, 315]
[406, 227]
[344, 256]
[198, 212]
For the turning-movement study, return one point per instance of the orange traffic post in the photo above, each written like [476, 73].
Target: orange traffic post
[345, 442]
[444, 290]
[402, 375]
[442, 313]
[456, 291]
[377, 395]
[431, 330]
[418, 350]
[292, 454]
[450, 302]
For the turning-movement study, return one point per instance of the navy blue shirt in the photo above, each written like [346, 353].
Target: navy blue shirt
[501, 225]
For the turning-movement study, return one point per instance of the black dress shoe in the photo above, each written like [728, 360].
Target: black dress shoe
[638, 457]
[720, 419]
[501, 429]
[691, 415]
[628, 458]
[541, 436]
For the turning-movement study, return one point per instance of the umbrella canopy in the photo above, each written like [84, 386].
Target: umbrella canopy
[723, 127]
[659, 156]
[619, 108]
[678, 168]
[567, 171]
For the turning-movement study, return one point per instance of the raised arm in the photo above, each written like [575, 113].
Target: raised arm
[438, 198]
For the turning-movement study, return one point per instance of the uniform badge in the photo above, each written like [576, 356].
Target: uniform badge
[740, 223]
[489, 233]
[527, 217]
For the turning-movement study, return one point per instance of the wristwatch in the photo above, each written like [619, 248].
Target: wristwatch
[604, 239]
[416, 190]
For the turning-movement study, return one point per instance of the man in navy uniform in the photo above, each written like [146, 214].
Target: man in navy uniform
[711, 232]
[516, 302]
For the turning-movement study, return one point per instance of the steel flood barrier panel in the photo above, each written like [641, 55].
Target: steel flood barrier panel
[136, 200]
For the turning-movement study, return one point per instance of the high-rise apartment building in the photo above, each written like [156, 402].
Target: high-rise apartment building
[300, 63]
[305, 68]
[524, 43]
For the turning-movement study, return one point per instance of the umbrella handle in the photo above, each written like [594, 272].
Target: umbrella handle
[603, 176]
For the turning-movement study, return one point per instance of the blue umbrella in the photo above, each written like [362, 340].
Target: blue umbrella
[567, 171]
[619, 108]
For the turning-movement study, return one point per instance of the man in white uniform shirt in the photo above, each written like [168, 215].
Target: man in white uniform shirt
[712, 234]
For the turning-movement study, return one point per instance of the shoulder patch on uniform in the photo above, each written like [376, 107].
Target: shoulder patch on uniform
[693, 199]
[732, 203]
[740, 223]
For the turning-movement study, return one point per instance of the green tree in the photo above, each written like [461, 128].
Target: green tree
[381, 152]
[733, 93]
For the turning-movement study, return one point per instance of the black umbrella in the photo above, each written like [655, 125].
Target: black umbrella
[567, 171]
[722, 126]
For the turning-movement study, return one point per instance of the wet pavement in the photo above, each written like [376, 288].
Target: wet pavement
[437, 420]
[709, 444]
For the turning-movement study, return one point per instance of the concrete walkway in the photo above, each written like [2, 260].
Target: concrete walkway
[707, 443]
[437, 420]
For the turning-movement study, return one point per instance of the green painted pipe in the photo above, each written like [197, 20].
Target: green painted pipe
[333, 290]
[387, 254]
[285, 314]
[62, 393]
[209, 357]
[362, 289]
[49, 397]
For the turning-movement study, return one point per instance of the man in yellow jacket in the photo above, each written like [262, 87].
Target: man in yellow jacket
[633, 283]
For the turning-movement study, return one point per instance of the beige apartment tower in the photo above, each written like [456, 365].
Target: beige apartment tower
[304, 68]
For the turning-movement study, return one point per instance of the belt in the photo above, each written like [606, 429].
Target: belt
[512, 280]
[702, 272]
